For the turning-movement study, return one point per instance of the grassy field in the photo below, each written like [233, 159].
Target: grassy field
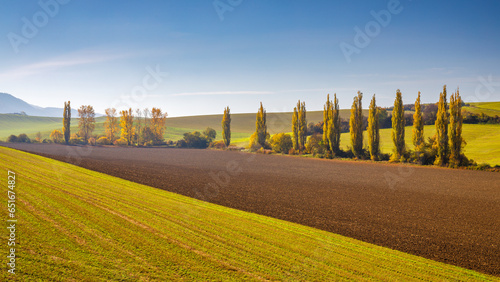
[76, 224]
[488, 108]
[483, 141]
[242, 125]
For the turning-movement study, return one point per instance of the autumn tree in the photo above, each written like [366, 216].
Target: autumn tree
[38, 137]
[373, 130]
[295, 129]
[67, 122]
[111, 124]
[226, 127]
[441, 140]
[56, 136]
[398, 128]
[144, 133]
[335, 127]
[86, 123]
[418, 130]
[158, 121]
[456, 119]
[356, 126]
[127, 126]
[261, 126]
[301, 124]
[327, 120]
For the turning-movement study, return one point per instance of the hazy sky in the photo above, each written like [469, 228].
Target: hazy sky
[196, 57]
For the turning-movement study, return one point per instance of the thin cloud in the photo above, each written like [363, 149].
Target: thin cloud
[71, 60]
[209, 93]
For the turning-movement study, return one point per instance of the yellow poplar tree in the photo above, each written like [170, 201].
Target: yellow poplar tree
[398, 128]
[226, 127]
[327, 119]
[261, 126]
[295, 129]
[67, 122]
[456, 120]
[356, 126]
[441, 140]
[373, 131]
[418, 130]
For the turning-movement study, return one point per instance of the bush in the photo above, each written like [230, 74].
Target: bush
[12, 138]
[23, 138]
[57, 136]
[120, 142]
[92, 141]
[218, 145]
[314, 145]
[281, 143]
[103, 141]
[47, 141]
[181, 144]
[76, 140]
[210, 134]
[195, 140]
[254, 145]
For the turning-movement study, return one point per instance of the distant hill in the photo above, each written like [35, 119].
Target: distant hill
[12, 105]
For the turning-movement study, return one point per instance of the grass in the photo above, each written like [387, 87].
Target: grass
[488, 108]
[483, 141]
[79, 225]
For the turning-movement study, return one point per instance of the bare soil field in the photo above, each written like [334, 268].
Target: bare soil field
[452, 216]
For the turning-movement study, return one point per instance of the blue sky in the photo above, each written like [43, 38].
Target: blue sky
[190, 59]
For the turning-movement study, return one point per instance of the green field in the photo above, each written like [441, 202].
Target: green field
[488, 108]
[79, 225]
[242, 125]
[483, 141]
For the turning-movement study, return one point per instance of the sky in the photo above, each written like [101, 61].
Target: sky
[197, 57]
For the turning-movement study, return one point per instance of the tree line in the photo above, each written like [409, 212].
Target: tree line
[445, 148]
[139, 127]
[146, 128]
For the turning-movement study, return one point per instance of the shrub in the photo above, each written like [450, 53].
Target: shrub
[75, 140]
[218, 145]
[103, 141]
[314, 145]
[196, 140]
[181, 144]
[281, 143]
[210, 134]
[12, 139]
[92, 141]
[57, 136]
[121, 142]
[23, 138]
[47, 141]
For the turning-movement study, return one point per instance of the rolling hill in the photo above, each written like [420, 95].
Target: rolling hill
[79, 225]
[11, 105]
[482, 140]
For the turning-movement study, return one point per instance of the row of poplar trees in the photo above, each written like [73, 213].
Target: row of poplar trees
[447, 143]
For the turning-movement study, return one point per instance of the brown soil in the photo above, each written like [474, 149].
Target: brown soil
[452, 216]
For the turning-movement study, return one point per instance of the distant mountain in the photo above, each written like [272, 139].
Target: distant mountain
[12, 105]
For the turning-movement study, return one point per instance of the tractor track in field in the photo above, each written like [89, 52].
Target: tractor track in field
[445, 215]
